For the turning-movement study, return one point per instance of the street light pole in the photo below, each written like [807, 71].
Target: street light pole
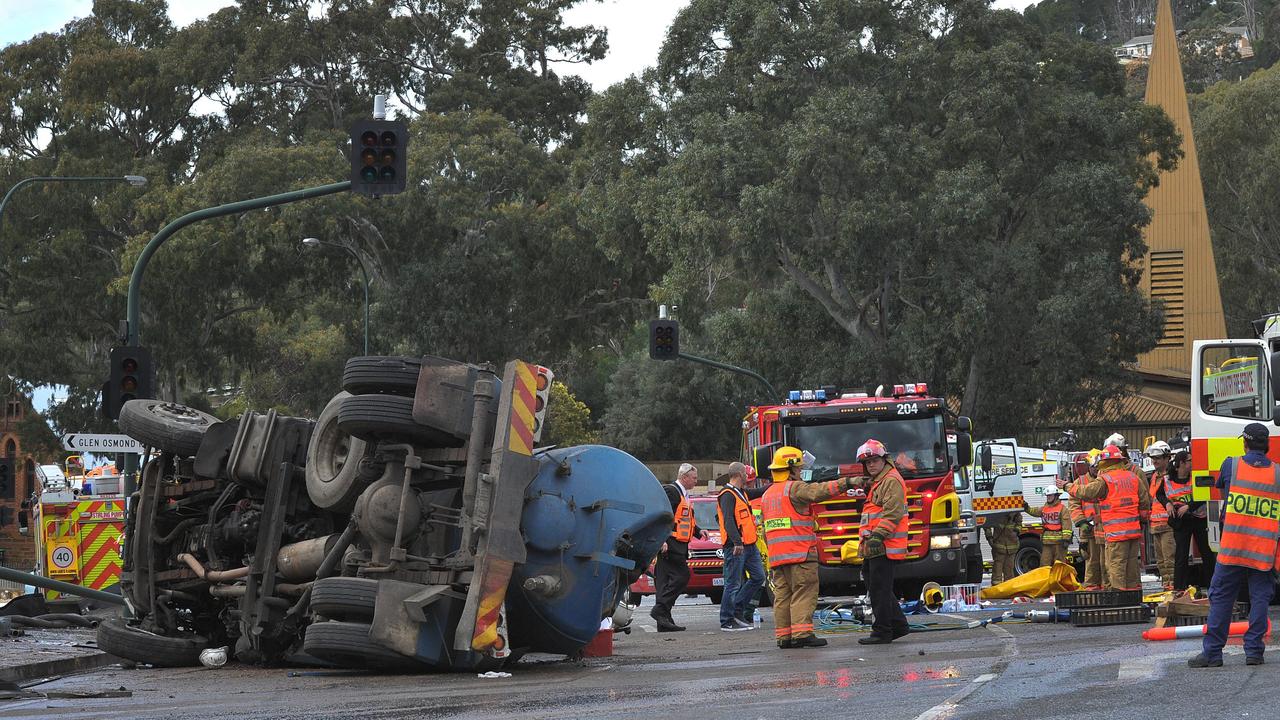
[134, 180]
[364, 271]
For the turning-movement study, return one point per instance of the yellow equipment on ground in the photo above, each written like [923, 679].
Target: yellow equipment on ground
[1041, 582]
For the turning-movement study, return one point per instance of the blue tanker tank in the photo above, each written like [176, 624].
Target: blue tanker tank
[593, 518]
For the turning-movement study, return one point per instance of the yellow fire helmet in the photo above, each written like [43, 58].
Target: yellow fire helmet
[787, 457]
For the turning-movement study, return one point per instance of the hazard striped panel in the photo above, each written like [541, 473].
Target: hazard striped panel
[1004, 502]
[492, 596]
[523, 399]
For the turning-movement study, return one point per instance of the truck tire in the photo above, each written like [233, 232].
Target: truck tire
[388, 417]
[1028, 557]
[345, 598]
[333, 461]
[166, 426]
[973, 567]
[117, 638]
[375, 374]
[347, 644]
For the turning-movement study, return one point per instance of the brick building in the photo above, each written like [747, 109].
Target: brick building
[17, 550]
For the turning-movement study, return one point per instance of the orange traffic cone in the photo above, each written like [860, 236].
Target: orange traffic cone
[1192, 631]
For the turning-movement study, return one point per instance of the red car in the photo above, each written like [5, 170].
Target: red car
[706, 557]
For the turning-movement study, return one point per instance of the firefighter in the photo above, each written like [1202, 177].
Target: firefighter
[1161, 533]
[1055, 524]
[1084, 515]
[790, 533]
[1003, 534]
[1118, 440]
[882, 541]
[1247, 549]
[1123, 506]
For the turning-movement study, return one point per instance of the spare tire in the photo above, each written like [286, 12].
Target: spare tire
[375, 374]
[117, 638]
[389, 417]
[348, 645]
[345, 598]
[333, 461]
[166, 426]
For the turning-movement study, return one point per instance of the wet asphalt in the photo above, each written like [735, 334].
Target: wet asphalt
[1002, 671]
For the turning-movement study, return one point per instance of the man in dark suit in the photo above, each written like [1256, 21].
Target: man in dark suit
[671, 570]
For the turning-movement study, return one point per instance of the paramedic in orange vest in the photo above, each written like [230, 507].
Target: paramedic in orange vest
[671, 570]
[882, 542]
[790, 532]
[1055, 526]
[1189, 519]
[738, 532]
[1162, 544]
[1124, 504]
[1247, 549]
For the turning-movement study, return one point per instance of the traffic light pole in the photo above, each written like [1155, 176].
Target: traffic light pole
[132, 312]
[773, 394]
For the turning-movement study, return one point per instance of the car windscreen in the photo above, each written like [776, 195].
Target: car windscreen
[704, 512]
[916, 446]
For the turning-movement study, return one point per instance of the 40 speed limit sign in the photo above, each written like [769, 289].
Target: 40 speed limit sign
[62, 557]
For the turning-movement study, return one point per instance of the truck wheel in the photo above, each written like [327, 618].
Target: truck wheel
[345, 598]
[166, 426]
[973, 568]
[388, 417]
[377, 374]
[117, 638]
[348, 645]
[333, 461]
[1028, 557]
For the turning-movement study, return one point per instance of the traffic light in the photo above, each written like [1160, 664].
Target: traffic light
[7, 481]
[378, 157]
[542, 378]
[131, 378]
[664, 339]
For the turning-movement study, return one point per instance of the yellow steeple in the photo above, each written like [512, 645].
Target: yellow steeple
[1179, 262]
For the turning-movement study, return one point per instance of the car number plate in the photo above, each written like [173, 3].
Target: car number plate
[718, 582]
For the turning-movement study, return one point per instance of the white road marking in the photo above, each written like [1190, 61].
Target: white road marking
[947, 708]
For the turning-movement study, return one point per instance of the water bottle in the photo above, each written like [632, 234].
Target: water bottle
[756, 619]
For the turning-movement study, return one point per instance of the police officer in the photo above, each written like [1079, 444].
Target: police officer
[1247, 549]
[790, 533]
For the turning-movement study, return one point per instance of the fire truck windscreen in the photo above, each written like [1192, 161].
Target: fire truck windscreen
[916, 446]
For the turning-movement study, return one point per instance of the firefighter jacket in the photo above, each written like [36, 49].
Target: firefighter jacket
[1003, 533]
[884, 513]
[1124, 500]
[790, 532]
[1159, 513]
[1055, 522]
[1252, 521]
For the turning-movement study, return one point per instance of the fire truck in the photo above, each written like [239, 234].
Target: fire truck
[830, 425]
[79, 520]
[1233, 383]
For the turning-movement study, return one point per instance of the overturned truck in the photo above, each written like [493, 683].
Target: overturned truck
[414, 524]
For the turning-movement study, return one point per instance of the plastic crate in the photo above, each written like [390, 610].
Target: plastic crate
[1094, 617]
[1097, 599]
[961, 598]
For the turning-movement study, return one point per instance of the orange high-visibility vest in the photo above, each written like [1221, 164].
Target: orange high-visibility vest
[790, 536]
[1159, 513]
[895, 545]
[1177, 490]
[742, 516]
[683, 521]
[1052, 518]
[1119, 509]
[1252, 518]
